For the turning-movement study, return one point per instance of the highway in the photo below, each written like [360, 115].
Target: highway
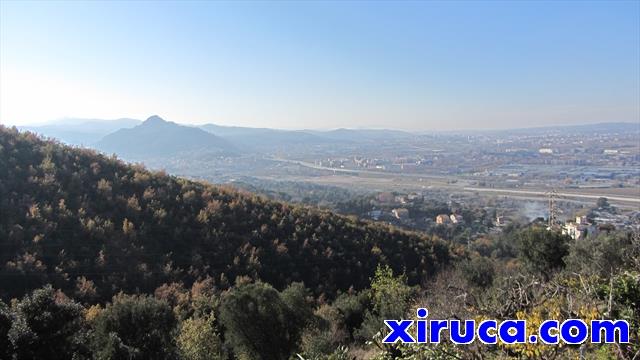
[628, 200]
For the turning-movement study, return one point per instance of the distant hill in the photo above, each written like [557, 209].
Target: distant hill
[92, 225]
[81, 132]
[156, 137]
[234, 131]
[262, 138]
[89, 132]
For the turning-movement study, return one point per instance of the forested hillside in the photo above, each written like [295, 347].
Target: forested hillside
[104, 260]
[94, 226]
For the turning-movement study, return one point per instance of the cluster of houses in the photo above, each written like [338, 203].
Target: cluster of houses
[395, 208]
[579, 229]
[391, 199]
[582, 227]
[402, 214]
[444, 219]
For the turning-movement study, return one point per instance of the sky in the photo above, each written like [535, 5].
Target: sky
[404, 65]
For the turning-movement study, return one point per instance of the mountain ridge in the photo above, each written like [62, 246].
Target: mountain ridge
[156, 137]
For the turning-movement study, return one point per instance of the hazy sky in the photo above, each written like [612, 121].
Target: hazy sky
[409, 65]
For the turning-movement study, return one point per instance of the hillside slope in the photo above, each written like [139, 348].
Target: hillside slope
[93, 226]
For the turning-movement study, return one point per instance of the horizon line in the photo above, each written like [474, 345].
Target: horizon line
[489, 129]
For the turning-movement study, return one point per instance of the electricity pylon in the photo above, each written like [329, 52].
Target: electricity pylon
[553, 209]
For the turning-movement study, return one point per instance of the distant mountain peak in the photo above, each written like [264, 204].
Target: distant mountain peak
[156, 137]
[154, 119]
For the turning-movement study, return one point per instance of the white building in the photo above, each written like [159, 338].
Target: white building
[579, 229]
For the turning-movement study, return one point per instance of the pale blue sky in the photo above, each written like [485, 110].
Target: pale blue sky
[408, 65]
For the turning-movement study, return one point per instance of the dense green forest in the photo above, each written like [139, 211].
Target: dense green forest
[104, 260]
